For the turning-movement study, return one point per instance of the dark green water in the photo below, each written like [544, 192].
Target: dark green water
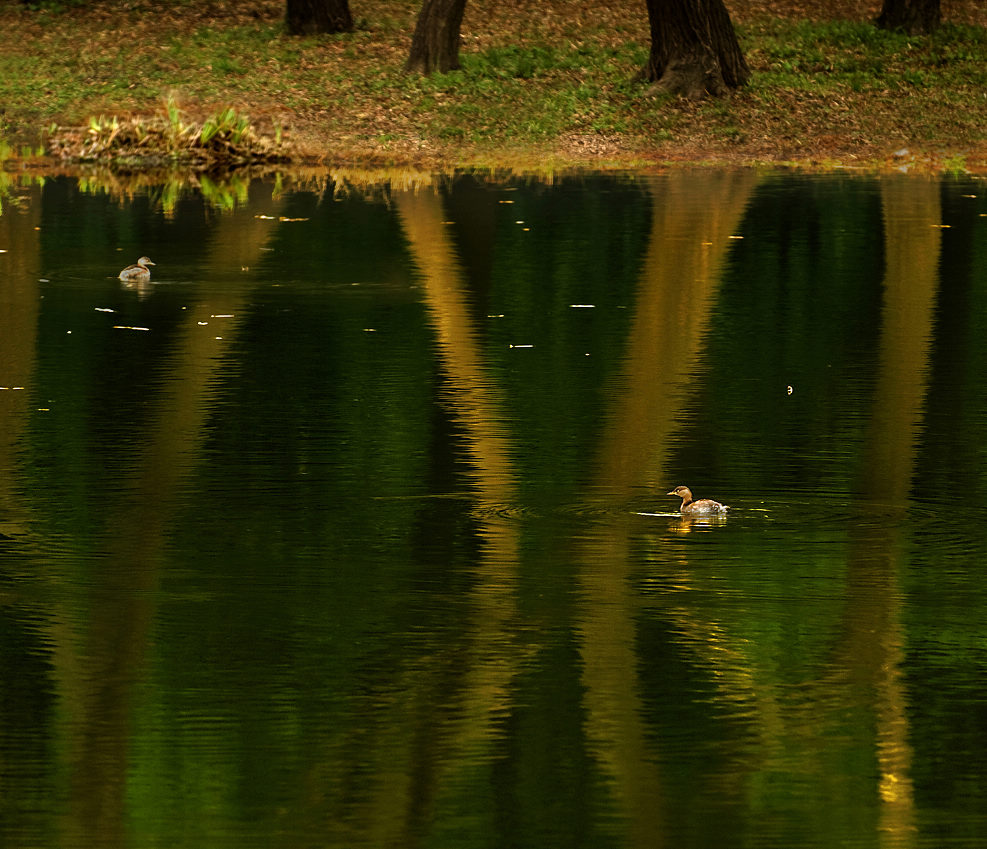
[350, 529]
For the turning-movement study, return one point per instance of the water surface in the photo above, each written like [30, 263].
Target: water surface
[350, 529]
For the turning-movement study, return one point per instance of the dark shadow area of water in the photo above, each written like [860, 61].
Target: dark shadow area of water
[349, 528]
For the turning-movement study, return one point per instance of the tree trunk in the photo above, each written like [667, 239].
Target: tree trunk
[916, 17]
[308, 17]
[694, 49]
[435, 44]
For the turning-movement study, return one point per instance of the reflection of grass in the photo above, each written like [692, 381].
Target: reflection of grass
[225, 194]
[11, 179]
[12, 183]
[825, 87]
[164, 189]
[225, 191]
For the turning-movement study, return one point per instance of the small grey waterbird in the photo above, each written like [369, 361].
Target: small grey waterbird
[702, 506]
[138, 273]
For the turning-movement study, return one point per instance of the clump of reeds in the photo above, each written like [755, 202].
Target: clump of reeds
[224, 139]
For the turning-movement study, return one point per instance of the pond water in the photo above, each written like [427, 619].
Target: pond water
[350, 528]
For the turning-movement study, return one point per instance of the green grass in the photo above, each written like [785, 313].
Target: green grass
[845, 85]
[838, 52]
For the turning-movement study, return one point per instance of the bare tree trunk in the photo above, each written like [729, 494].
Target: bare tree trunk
[308, 17]
[435, 44]
[694, 49]
[912, 16]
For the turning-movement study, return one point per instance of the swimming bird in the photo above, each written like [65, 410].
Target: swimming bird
[138, 273]
[703, 506]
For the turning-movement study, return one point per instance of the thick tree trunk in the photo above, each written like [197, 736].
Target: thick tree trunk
[694, 49]
[435, 44]
[308, 17]
[912, 16]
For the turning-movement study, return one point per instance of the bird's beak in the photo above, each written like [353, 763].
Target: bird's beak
[670, 493]
[150, 263]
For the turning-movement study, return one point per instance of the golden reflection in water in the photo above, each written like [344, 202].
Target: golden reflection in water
[693, 217]
[865, 661]
[484, 694]
[688, 524]
[912, 242]
[689, 238]
[473, 396]
[868, 657]
[19, 304]
[101, 656]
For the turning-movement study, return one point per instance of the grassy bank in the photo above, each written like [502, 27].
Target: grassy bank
[542, 83]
